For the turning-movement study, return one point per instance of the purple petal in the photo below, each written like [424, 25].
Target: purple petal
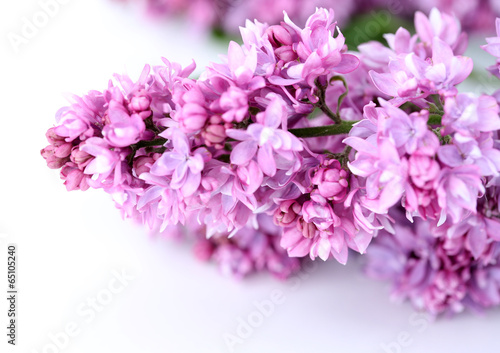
[243, 152]
[180, 142]
[385, 83]
[460, 68]
[274, 112]
[237, 134]
[441, 52]
[166, 164]
[423, 27]
[266, 160]
[347, 64]
[179, 176]
[191, 184]
[477, 240]
[341, 256]
[450, 155]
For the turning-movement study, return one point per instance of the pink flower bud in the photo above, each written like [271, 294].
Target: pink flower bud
[287, 213]
[53, 162]
[140, 101]
[192, 117]
[53, 138]
[63, 150]
[74, 179]
[423, 170]
[214, 135]
[80, 158]
[286, 53]
[235, 103]
[308, 230]
[331, 181]
[279, 35]
[143, 164]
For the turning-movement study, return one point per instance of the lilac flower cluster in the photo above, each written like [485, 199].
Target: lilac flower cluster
[436, 271]
[475, 15]
[293, 146]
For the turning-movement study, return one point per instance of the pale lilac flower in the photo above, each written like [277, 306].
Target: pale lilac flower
[443, 72]
[385, 171]
[466, 150]
[443, 26]
[265, 139]
[241, 67]
[321, 215]
[76, 120]
[122, 129]
[408, 131]
[321, 53]
[469, 114]
[180, 163]
[493, 48]
[307, 239]
[476, 233]
[363, 219]
[160, 206]
[457, 190]
[402, 42]
[106, 165]
[432, 275]
[398, 83]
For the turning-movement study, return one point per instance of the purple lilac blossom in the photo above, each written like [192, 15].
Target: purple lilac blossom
[439, 274]
[294, 129]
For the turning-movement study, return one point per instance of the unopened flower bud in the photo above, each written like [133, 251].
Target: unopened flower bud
[53, 162]
[63, 150]
[140, 101]
[214, 135]
[308, 230]
[331, 181]
[80, 158]
[287, 213]
[53, 138]
[279, 35]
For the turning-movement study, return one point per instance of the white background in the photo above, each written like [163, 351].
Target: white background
[70, 245]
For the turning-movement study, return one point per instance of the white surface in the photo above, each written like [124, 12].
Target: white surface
[69, 244]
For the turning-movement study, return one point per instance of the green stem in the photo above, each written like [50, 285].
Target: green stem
[437, 101]
[341, 128]
[434, 119]
[156, 142]
[160, 141]
[343, 95]
[324, 107]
